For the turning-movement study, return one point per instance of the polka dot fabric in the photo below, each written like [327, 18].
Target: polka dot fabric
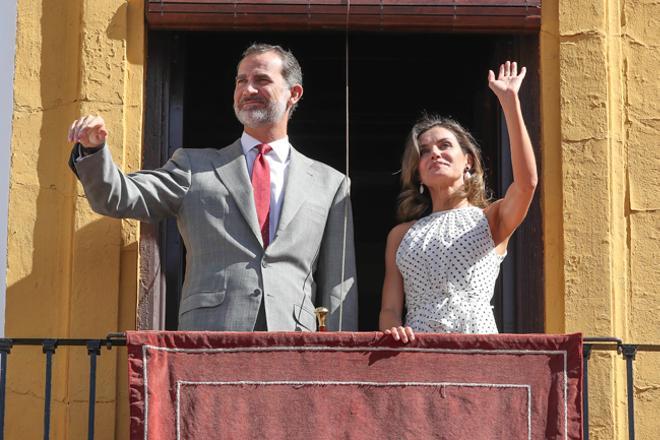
[449, 267]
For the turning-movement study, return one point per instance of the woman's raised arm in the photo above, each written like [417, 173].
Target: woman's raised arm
[505, 215]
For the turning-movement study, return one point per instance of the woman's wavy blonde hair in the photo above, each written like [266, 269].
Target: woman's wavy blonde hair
[412, 204]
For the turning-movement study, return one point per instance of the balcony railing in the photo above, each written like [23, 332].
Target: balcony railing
[95, 346]
[628, 352]
[48, 347]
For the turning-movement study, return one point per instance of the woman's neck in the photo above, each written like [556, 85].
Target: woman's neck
[446, 199]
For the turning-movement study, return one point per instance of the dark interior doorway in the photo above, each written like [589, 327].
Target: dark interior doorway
[393, 78]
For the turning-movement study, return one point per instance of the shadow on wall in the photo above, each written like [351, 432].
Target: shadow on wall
[66, 262]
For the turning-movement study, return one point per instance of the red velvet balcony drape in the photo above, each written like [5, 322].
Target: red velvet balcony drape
[353, 385]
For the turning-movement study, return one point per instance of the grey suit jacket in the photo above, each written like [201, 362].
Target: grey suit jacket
[227, 270]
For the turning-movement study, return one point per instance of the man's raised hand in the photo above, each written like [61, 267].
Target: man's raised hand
[89, 131]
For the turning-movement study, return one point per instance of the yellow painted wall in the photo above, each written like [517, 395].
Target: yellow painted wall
[70, 273]
[601, 113]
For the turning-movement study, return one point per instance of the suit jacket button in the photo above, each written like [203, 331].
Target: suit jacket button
[256, 292]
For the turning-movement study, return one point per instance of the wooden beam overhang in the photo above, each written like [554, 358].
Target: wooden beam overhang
[497, 16]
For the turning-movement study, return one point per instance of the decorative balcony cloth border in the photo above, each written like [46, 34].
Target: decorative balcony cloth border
[200, 385]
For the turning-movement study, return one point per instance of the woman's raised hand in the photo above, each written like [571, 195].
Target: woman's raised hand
[401, 333]
[508, 80]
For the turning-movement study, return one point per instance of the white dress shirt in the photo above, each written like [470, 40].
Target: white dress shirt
[278, 161]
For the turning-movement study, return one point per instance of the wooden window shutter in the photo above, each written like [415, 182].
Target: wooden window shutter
[520, 16]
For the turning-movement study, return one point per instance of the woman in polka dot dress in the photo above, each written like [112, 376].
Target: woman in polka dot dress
[444, 258]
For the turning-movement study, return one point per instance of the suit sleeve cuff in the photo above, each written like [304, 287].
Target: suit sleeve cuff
[84, 152]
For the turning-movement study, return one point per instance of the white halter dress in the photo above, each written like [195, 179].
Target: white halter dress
[449, 266]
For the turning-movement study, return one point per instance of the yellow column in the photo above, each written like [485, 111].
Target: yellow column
[601, 174]
[70, 273]
[593, 217]
[551, 173]
[641, 63]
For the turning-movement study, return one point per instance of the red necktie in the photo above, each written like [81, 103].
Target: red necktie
[261, 189]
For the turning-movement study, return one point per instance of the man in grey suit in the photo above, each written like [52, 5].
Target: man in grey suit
[268, 231]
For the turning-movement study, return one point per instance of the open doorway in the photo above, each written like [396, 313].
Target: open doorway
[392, 78]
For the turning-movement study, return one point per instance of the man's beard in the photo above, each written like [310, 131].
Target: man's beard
[257, 117]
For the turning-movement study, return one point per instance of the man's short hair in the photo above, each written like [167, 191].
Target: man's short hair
[291, 71]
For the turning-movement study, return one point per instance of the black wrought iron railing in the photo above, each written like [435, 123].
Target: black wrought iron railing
[628, 352]
[95, 346]
[49, 346]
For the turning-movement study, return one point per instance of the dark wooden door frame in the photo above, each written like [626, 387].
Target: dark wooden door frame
[164, 127]
[524, 311]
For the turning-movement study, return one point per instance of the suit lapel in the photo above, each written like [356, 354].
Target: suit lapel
[232, 171]
[298, 185]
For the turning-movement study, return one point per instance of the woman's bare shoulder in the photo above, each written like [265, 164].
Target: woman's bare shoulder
[396, 233]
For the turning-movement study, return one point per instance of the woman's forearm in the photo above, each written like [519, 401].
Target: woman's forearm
[389, 318]
[523, 160]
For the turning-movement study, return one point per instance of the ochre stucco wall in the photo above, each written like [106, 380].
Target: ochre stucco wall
[601, 113]
[70, 273]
